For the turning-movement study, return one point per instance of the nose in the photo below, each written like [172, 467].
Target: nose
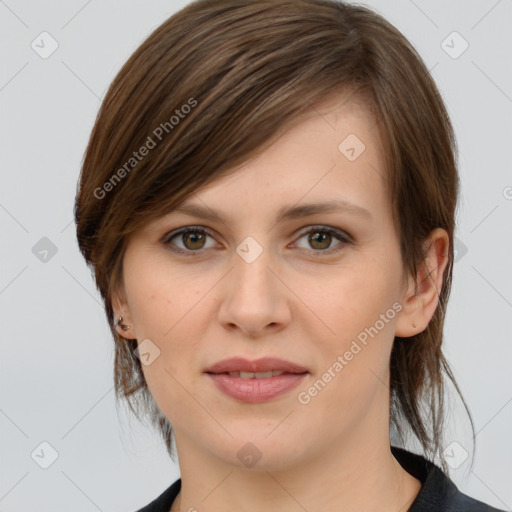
[255, 299]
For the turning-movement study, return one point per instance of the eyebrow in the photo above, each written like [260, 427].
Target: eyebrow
[286, 212]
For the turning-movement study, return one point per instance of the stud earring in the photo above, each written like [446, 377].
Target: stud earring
[123, 326]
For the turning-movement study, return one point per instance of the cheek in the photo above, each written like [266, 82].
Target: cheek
[164, 306]
[167, 309]
[159, 296]
[349, 298]
[357, 317]
[354, 360]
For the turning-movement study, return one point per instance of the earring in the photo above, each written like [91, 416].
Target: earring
[123, 326]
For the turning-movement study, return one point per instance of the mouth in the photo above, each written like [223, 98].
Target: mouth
[263, 368]
[256, 381]
[256, 375]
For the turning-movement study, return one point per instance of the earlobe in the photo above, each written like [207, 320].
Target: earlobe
[407, 320]
[123, 325]
[122, 319]
[119, 322]
[421, 299]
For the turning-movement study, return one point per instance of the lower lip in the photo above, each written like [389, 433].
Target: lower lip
[256, 390]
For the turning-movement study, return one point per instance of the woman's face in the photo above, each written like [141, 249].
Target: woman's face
[320, 290]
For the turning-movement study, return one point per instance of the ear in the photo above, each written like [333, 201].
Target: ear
[420, 300]
[121, 308]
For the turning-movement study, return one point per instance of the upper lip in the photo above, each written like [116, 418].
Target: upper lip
[265, 364]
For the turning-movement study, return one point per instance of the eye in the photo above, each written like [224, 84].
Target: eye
[321, 237]
[194, 239]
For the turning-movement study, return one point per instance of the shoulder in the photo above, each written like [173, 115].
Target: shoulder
[164, 501]
[438, 493]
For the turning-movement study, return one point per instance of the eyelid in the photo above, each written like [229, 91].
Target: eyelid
[179, 231]
[342, 234]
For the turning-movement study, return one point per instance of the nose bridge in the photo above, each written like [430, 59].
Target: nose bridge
[253, 297]
[251, 273]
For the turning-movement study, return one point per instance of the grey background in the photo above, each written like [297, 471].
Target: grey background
[56, 353]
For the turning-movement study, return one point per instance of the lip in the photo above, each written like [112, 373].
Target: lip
[256, 390]
[265, 364]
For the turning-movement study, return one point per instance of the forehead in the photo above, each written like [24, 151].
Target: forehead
[334, 148]
[327, 160]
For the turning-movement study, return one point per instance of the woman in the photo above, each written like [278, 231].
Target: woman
[268, 201]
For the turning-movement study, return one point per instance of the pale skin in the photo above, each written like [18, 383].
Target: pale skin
[301, 300]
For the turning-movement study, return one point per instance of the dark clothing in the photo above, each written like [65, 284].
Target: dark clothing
[437, 494]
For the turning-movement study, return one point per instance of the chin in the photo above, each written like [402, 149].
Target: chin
[263, 452]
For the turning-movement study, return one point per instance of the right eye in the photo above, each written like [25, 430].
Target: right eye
[193, 239]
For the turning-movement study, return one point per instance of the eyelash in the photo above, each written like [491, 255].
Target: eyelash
[343, 237]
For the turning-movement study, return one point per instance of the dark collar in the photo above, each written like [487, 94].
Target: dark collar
[438, 493]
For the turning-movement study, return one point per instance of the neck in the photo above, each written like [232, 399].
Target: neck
[352, 474]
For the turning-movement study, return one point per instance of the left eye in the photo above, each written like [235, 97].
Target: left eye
[322, 238]
[194, 239]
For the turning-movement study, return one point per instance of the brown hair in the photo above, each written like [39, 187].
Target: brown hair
[239, 71]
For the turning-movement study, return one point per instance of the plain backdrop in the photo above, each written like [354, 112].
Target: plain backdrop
[57, 404]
